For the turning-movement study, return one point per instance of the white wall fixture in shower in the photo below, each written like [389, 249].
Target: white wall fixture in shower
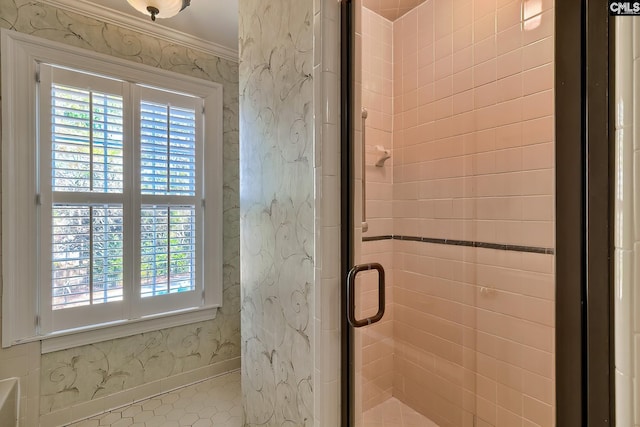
[383, 155]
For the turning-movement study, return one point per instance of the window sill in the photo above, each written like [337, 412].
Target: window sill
[78, 337]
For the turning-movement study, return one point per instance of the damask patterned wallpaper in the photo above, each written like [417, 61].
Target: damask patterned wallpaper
[81, 374]
[276, 209]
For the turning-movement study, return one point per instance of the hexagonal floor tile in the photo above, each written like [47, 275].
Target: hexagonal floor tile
[211, 402]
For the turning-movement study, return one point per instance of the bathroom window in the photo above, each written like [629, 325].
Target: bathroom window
[109, 224]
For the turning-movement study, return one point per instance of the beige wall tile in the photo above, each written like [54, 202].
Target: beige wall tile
[471, 127]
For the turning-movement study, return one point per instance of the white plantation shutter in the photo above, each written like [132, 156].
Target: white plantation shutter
[112, 202]
[86, 156]
[118, 233]
[171, 194]
[82, 198]
[167, 250]
[167, 167]
[87, 140]
[87, 255]
[167, 149]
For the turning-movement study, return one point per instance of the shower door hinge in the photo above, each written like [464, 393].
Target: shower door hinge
[37, 321]
[38, 75]
[38, 200]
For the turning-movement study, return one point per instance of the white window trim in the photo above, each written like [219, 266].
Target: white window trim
[75, 338]
[21, 54]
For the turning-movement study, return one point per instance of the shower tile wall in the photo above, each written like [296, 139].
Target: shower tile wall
[472, 160]
[377, 98]
[328, 313]
[473, 122]
[627, 231]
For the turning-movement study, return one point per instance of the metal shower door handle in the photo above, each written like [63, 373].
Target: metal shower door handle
[351, 295]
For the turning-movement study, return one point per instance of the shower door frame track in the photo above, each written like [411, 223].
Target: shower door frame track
[347, 414]
[584, 65]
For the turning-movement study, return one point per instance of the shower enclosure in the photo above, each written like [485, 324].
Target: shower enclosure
[451, 212]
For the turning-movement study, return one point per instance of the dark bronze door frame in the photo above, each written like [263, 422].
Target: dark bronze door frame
[347, 415]
[584, 222]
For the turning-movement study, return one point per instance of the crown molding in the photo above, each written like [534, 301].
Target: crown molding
[144, 26]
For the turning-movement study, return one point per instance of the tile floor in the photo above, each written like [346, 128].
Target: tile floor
[214, 402]
[394, 413]
[217, 402]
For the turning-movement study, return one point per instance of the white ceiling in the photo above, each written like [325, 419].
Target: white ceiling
[209, 25]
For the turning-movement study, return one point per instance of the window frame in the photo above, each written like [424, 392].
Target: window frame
[20, 194]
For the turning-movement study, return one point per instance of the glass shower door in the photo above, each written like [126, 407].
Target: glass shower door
[453, 169]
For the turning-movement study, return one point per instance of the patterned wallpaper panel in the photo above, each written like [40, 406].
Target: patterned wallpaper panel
[94, 371]
[81, 374]
[276, 209]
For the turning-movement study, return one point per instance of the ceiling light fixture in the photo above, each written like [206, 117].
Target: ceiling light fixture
[159, 8]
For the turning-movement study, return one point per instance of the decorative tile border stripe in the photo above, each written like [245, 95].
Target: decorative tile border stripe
[484, 245]
[376, 238]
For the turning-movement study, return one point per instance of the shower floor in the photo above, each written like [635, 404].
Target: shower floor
[394, 413]
[214, 402]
